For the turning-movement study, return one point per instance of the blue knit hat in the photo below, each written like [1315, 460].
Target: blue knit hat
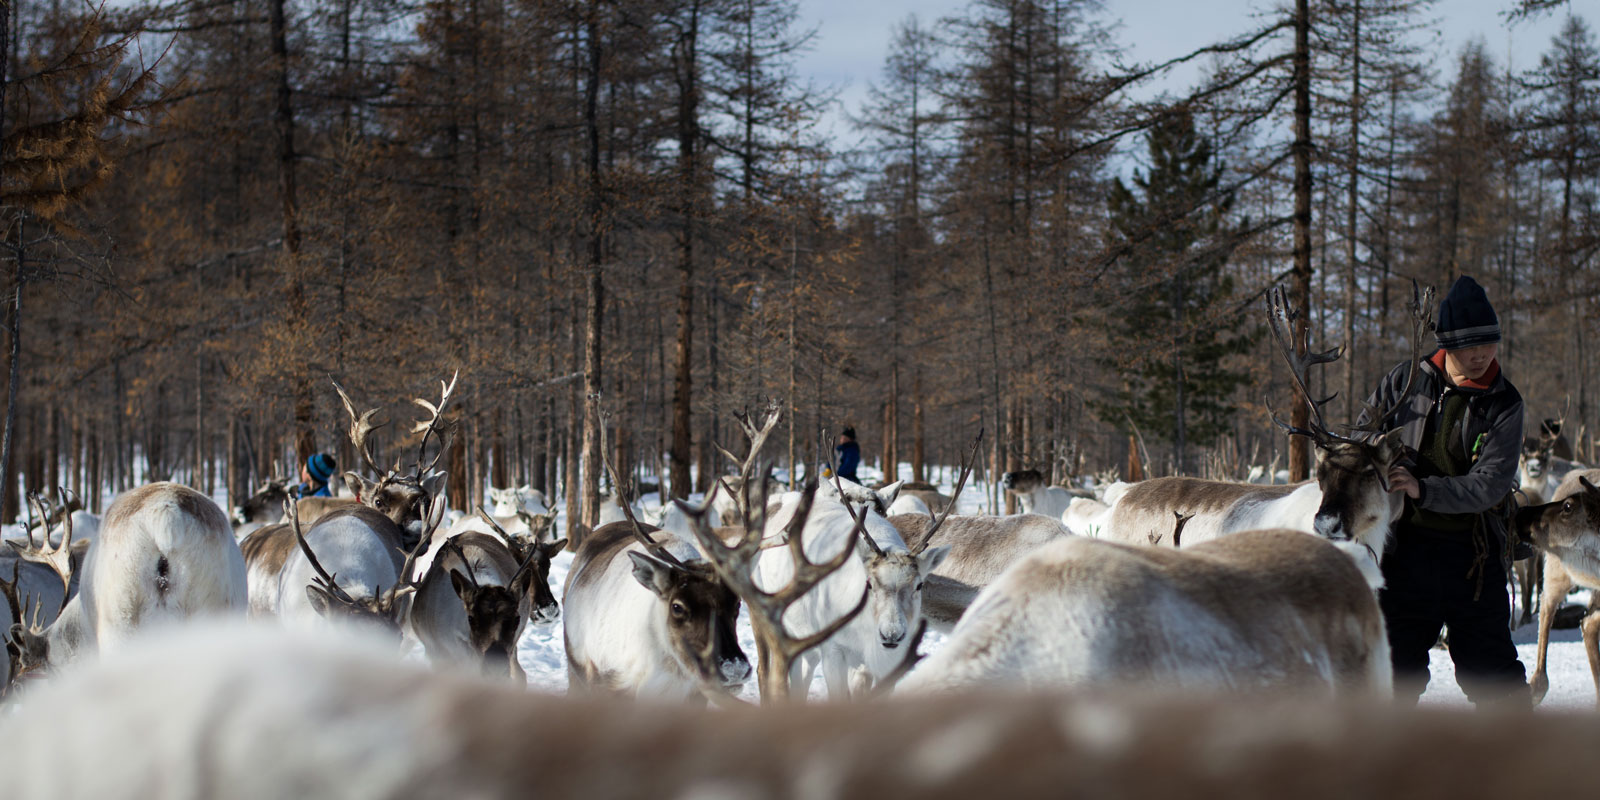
[1465, 317]
[321, 466]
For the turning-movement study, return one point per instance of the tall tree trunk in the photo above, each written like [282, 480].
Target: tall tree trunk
[918, 444]
[1299, 449]
[595, 297]
[8, 476]
[688, 67]
[1352, 198]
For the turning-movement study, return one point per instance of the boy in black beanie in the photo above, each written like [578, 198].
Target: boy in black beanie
[1446, 562]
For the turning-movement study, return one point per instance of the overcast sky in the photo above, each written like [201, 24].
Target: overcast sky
[853, 35]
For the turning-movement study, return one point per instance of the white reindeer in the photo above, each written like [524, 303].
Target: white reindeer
[165, 553]
[1269, 608]
[647, 616]
[888, 573]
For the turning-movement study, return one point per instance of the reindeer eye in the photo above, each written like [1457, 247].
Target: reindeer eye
[1566, 507]
[679, 610]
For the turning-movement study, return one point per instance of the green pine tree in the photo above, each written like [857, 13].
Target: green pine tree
[1177, 320]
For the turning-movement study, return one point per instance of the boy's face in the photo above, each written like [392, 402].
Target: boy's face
[1470, 363]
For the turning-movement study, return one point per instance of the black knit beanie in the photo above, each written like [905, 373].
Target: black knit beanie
[1465, 317]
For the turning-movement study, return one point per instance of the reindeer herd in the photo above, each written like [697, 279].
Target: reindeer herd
[1177, 582]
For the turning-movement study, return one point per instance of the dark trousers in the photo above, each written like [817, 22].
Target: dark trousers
[1427, 587]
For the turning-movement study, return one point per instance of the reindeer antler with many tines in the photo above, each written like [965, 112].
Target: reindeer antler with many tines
[1293, 343]
[735, 565]
[428, 426]
[955, 496]
[57, 557]
[1421, 310]
[756, 434]
[361, 427]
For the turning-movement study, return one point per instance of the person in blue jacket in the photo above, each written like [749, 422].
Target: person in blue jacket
[849, 454]
[314, 475]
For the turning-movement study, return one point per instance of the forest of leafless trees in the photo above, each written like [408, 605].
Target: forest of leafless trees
[213, 207]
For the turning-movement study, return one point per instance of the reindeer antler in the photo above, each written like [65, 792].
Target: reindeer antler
[961, 482]
[1293, 343]
[1421, 310]
[58, 557]
[328, 582]
[361, 427]
[428, 426]
[639, 532]
[756, 434]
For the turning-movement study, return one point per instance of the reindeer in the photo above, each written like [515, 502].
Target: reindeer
[1350, 500]
[885, 575]
[980, 549]
[1034, 495]
[1567, 532]
[265, 507]
[508, 503]
[648, 616]
[365, 548]
[475, 600]
[664, 628]
[402, 497]
[1271, 608]
[165, 553]
[927, 493]
[909, 504]
[279, 714]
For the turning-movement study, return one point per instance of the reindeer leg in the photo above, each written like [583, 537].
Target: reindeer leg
[1591, 645]
[1556, 585]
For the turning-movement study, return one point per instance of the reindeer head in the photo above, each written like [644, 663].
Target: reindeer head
[1354, 477]
[27, 642]
[403, 497]
[533, 551]
[266, 505]
[1567, 527]
[894, 586]
[1352, 470]
[1023, 481]
[495, 613]
[701, 612]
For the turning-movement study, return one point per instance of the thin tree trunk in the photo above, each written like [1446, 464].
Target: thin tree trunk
[1299, 450]
[1352, 198]
[8, 475]
[595, 296]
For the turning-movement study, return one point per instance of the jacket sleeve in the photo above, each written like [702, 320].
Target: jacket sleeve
[1491, 478]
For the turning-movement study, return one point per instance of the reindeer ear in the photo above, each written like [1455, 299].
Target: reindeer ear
[319, 599]
[1391, 443]
[651, 573]
[931, 558]
[462, 586]
[359, 485]
[434, 482]
[1587, 486]
[80, 547]
[888, 493]
[554, 547]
